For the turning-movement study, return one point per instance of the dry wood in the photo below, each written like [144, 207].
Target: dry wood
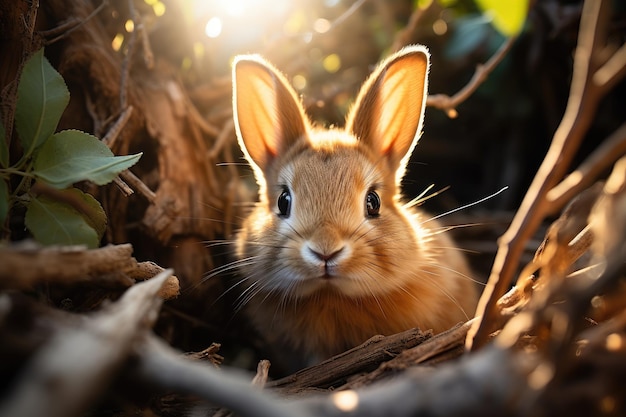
[583, 100]
[429, 349]
[111, 266]
[71, 370]
[362, 358]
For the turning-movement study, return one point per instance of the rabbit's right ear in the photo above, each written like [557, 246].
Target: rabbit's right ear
[268, 115]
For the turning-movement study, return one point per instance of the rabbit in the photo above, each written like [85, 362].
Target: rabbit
[330, 255]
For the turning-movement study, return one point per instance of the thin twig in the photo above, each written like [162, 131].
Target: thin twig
[138, 185]
[449, 104]
[126, 63]
[114, 131]
[611, 149]
[612, 71]
[148, 55]
[227, 132]
[67, 28]
[262, 373]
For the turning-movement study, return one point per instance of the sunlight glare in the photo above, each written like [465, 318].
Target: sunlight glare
[213, 27]
[236, 8]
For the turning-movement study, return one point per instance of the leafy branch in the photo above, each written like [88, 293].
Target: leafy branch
[56, 212]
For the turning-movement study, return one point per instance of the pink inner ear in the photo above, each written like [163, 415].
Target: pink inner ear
[399, 109]
[268, 114]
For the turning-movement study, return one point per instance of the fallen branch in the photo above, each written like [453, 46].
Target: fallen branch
[81, 361]
[362, 358]
[112, 266]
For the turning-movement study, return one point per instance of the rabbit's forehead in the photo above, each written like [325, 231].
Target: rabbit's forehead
[336, 174]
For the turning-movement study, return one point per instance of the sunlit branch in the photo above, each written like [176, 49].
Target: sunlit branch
[448, 104]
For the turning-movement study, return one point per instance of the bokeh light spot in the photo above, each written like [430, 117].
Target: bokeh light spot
[158, 8]
[332, 63]
[129, 26]
[295, 23]
[440, 27]
[614, 342]
[346, 401]
[198, 50]
[321, 25]
[299, 82]
[117, 42]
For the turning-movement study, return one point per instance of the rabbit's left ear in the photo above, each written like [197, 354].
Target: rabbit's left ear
[268, 115]
[389, 110]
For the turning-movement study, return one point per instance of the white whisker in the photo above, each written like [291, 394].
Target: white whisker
[466, 205]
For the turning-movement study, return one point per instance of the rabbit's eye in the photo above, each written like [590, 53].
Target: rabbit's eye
[284, 203]
[372, 204]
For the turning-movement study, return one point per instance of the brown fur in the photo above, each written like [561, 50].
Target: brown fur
[392, 272]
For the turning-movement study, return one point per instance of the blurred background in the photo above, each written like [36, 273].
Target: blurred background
[496, 138]
[170, 60]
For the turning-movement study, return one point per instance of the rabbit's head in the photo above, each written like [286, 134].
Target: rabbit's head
[329, 215]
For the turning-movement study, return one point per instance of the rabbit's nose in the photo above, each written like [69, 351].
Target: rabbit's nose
[325, 256]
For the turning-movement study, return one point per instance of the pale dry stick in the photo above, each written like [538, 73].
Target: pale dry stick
[262, 373]
[114, 131]
[198, 119]
[109, 140]
[148, 55]
[448, 104]
[158, 363]
[138, 186]
[72, 370]
[124, 188]
[130, 50]
[611, 149]
[581, 106]
[227, 132]
[612, 71]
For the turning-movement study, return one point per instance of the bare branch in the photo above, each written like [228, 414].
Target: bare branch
[581, 106]
[449, 104]
[600, 159]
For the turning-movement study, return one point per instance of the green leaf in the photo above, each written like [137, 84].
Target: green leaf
[92, 212]
[54, 223]
[4, 201]
[508, 17]
[71, 156]
[88, 207]
[4, 147]
[41, 99]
